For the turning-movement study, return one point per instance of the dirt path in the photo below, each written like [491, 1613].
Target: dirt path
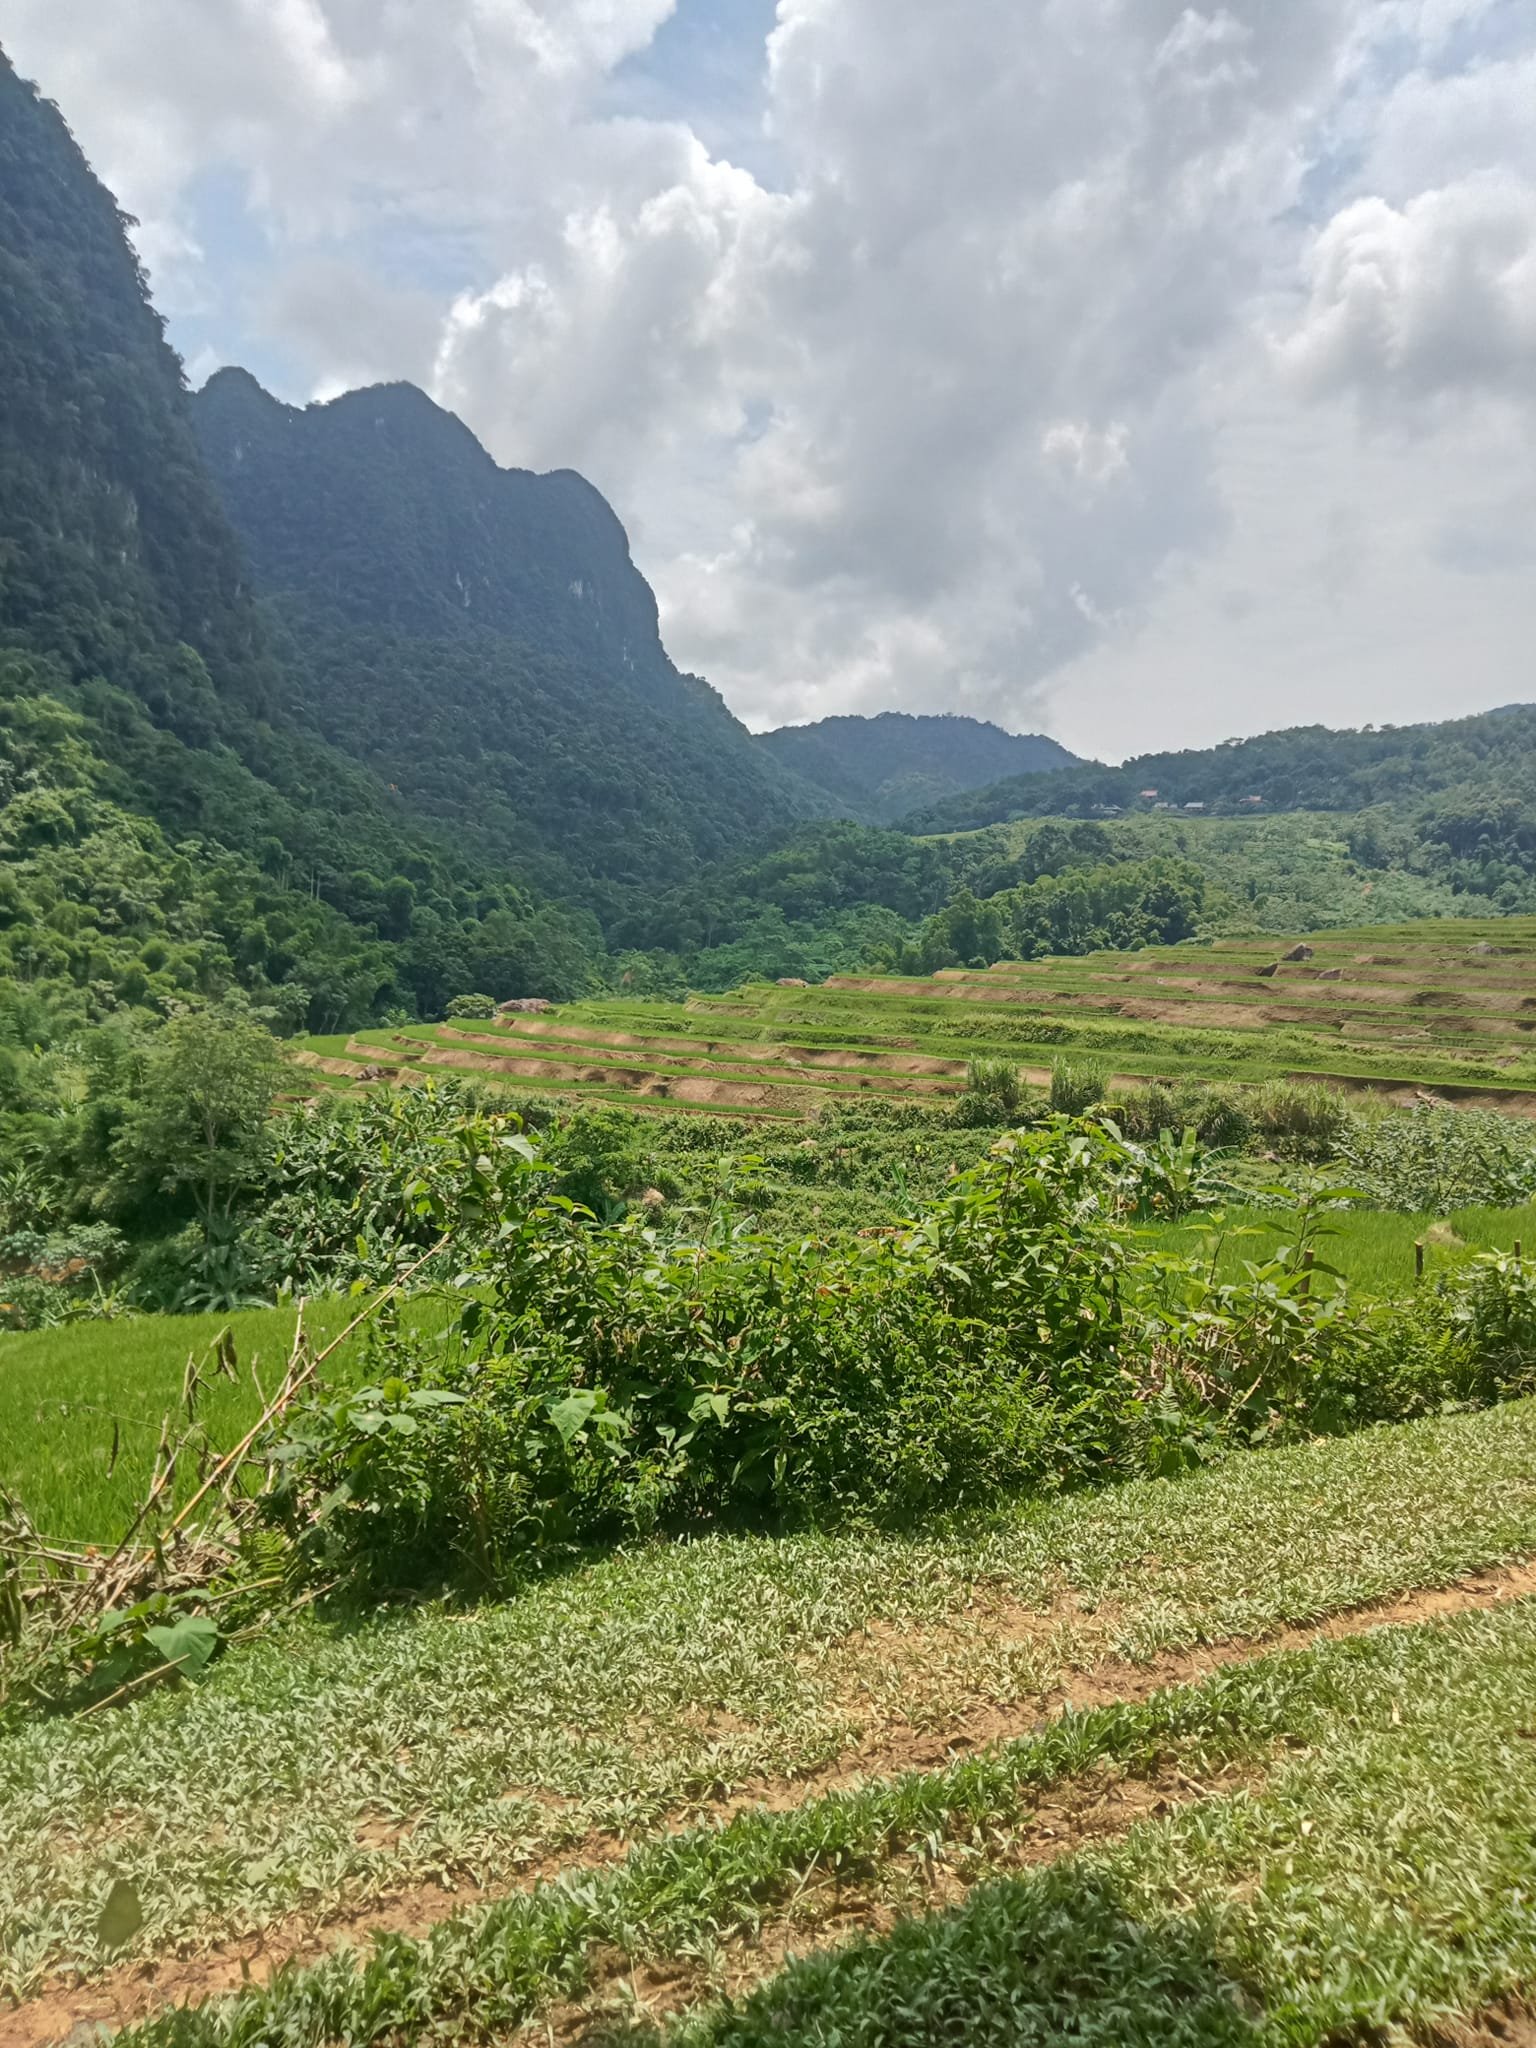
[1065, 1814]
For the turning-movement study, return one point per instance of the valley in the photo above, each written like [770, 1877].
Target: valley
[668, 1386]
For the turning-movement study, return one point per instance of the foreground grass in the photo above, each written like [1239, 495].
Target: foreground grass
[331, 1765]
[81, 1406]
[1380, 1871]
[1381, 1879]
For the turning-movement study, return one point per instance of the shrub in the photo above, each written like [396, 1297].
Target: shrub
[1217, 1115]
[609, 1382]
[994, 1093]
[471, 1006]
[1303, 1120]
[602, 1380]
[1169, 1178]
[359, 1188]
[56, 1276]
[1076, 1085]
[1433, 1160]
[1220, 1115]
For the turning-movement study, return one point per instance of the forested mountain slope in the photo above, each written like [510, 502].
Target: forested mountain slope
[878, 769]
[111, 539]
[481, 639]
[168, 832]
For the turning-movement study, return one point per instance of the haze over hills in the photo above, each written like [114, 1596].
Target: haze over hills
[879, 769]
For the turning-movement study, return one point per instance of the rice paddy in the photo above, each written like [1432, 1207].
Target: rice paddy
[1447, 1005]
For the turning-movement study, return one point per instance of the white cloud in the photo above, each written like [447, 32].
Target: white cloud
[1123, 360]
[1433, 297]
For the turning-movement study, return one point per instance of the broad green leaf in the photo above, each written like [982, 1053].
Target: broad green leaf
[572, 1414]
[188, 1644]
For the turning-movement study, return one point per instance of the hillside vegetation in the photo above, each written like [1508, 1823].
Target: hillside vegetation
[1462, 788]
[928, 1436]
[1448, 1004]
[724, 1748]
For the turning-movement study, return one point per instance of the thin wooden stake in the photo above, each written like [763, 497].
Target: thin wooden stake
[1418, 1259]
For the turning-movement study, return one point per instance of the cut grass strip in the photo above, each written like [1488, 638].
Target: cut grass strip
[1407, 1886]
[334, 1766]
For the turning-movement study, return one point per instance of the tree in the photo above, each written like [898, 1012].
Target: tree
[196, 1118]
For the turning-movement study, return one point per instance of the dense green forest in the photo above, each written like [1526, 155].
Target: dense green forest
[879, 769]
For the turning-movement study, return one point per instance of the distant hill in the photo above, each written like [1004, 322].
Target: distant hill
[481, 639]
[1485, 760]
[879, 769]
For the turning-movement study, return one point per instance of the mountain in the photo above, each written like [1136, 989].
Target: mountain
[111, 539]
[169, 830]
[1486, 763]
[878, 769]
[480, 638]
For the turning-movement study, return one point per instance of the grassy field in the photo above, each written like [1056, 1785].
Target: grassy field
[1449, 1004]
[1242, 1757]
[81, 1406]
[1372, 1251]
[1379, 1878]
[804, 1712]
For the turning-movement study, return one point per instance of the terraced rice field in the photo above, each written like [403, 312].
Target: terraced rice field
[1448, 1004]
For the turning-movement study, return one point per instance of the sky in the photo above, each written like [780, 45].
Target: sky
[1142, 373]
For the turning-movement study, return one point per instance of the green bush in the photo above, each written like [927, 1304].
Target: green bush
[1076, 1085]
[1283, 1353]
[611, 1382]
[1301, 1120]
[1219, 1116]
[604, 1380]
[994, 1093]
[471, 1006]
[56, 1276]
